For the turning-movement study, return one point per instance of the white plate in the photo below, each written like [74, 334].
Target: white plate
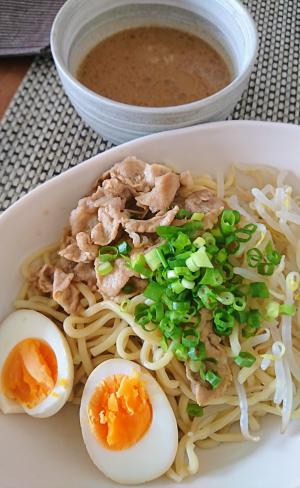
[50, 453]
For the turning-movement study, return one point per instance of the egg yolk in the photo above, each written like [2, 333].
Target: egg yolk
[29, 372]
[120, 411]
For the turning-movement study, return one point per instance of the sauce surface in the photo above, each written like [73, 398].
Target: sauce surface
[154, 67]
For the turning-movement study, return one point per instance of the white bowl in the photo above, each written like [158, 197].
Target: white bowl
[50, 453]
[80, 24]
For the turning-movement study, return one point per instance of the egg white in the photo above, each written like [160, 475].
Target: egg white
[25, 324]
[154, 453]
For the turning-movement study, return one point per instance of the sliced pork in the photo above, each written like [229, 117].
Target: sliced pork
[65, 292]
[162, 195]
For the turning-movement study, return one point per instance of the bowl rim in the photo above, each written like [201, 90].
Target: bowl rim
[142, 110]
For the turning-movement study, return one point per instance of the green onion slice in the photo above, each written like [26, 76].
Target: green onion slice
[108, 253]
[124, 248]
[254, 257]
[194, 410]
[104, 268]
[259, 289]
[245, 360]
[212, 378]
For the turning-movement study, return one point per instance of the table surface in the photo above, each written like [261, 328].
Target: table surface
[12, 71]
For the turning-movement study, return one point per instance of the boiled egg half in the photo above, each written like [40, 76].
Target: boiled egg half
[127, 423]
[36, 367]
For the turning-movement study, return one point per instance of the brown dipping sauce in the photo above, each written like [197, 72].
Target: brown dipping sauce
[154, 67]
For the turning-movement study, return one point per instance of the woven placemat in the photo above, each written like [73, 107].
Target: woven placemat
[41, 134]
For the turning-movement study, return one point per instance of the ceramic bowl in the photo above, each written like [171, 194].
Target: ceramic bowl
[80, 25]
[50, 453]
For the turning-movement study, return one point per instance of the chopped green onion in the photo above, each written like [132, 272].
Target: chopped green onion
[153, 291]
[266, 269]
[104, 268]
[197, 353]
[243, 234]
[212, 277]
[239, 304]
[223, 321]
[227, 222]
[232, 244]
[287, 309]
[124, 248]
[180, 306]
[177, 287]
[248, 331]
[192, 266]
[142, 314]
[274, 257]
[187, 284]
[139, 266]
[209, 239]
[207, 296]
[108, 253]
[272, 310]
[191, 227]
[194, 410]
[168, 231]
[226, 298]
[212, 378]
[259, 289]
[161, 256]
[222, 256]
[183, 213]
[181, 241]
[171, 274]
[201, 259]
[157, 312]
[164, 344]
[254, 257]
[199, 242]
[237, 216]
[190, 338]
[253, 319]
[153, 260]
[245, 360]
[250, 227]
[198, 216]
[180, 352]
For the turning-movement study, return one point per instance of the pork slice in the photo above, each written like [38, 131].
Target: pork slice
[201, 389]
[85, 273]
[80, 250]
[82, 218]
[114, 188]
[111, 284]
[150, 225]
[206, 202]
[64, 291]
[130, 171]
[162, 195]
[153, 171]
[109, 220]
[66, 265]
[45, 278]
